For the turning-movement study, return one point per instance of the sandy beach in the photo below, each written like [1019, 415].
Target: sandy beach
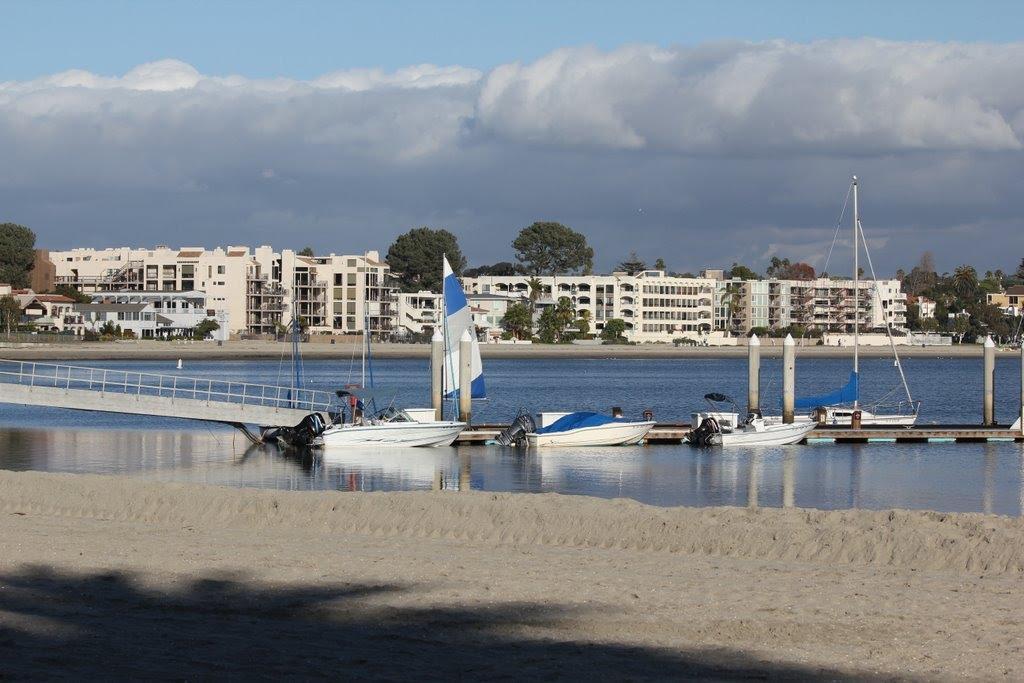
[119, 577]
[259, 350]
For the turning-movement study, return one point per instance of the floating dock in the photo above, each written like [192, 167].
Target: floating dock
[670, 433]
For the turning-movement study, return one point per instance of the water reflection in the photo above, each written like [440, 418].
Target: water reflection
[954, 477]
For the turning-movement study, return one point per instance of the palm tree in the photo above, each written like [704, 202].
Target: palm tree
[965, 281]
[536, 290]
[734, 299]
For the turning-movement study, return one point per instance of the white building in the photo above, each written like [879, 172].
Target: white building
[152, 315]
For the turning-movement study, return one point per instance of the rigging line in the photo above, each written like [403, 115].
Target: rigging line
[885, 314]
[839, 223]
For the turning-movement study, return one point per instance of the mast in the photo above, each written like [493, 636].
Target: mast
[856, 292]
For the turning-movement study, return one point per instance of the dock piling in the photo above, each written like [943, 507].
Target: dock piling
[988, 407]
[788, 379]
[437, 373]
[753, 374]
[465, 377]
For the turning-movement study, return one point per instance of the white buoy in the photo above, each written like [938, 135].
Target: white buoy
[179, 364]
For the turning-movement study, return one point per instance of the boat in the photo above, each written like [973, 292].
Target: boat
[392, 427]
[838, 407]
[589, 429]
[717, 427]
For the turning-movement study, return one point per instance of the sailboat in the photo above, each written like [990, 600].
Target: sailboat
[838, 407]
[394, 427]
[458, 320]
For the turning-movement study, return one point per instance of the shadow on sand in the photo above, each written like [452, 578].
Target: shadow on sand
[111, 626]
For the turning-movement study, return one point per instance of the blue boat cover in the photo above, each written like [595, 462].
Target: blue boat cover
[847, 394]
[576, 421]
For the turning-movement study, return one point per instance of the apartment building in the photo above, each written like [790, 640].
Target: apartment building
[823, 304]
[151, 315]
[654, 306]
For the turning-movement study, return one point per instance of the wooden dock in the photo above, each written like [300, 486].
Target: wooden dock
[671, 433]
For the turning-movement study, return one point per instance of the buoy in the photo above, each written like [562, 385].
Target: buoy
[179, 364]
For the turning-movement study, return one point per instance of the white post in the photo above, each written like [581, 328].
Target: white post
[1021, 418]
[988, 414]
[788, 379]
[753, 374]
[856, 290]
[437, 373]
[465, 376]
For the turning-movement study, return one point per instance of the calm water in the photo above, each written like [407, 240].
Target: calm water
[953, 477]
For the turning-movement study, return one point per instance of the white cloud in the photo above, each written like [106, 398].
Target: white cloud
[734, 150]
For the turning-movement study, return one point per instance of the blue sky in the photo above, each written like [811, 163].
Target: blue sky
[303, 39]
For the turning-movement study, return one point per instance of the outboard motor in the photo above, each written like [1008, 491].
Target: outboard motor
[302, 434]
[515, 434]
[707, 434]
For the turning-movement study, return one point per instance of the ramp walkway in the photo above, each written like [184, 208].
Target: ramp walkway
[143, 393]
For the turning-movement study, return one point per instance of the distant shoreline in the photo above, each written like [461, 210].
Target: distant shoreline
[258, 350]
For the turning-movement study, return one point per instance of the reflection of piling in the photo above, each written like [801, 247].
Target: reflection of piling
[788, 475]
[788, 379]
[464, 472]
[753, 374]
[437, 373]
[988, 409]
[755, 474]
[465, 377]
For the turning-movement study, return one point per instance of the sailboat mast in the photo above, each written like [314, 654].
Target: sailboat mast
[856, 289]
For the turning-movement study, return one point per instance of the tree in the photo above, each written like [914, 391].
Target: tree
[307, 251]
[1019, 274]
[660, 264]
[415, 258]
[518, 321]
[922, 277]
[72, 293]
[554, 321]
[502, 268]
[546, 248]
[965, 282]
[205, 328]
[17, 253]
[10, 312]
[742, 273]
[614, 330]
[632, 265]
[536, 291]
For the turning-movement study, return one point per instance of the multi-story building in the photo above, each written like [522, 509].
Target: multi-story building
[151, 315]
[655, 307]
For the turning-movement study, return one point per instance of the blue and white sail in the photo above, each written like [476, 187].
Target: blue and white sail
[457, 320]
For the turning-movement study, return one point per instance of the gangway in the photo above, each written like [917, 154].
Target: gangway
[143, 393]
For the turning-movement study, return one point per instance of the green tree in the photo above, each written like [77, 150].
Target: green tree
[614, 330]
[17, 252]
[632, 265]
[10, 312]
[536, 291]
[502, 268]
[740, 272]
[965, 282]
[204, 328]
[546, 248]
[415, 258]
[518, 321]
[1019, 274]
[72, 293]
[552, 327]
[307, 251]
[660, 264]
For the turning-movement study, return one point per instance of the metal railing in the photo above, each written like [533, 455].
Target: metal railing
[131, 383]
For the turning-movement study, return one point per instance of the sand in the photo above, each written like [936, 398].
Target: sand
[118, 577]
[255, 350]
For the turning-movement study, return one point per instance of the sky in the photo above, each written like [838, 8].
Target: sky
[700, 133]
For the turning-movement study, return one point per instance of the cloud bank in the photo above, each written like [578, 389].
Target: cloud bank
[702, 155]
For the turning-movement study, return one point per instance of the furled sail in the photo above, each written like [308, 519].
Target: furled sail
[458, 319]
[847, 394]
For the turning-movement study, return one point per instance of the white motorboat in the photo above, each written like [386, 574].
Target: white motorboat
[843, 416]
[392, 428]
[589, 429]
[724, 428]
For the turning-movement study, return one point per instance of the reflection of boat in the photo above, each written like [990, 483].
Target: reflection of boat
[838, 407]
[717, 427]
[391, 427]
[589, 429]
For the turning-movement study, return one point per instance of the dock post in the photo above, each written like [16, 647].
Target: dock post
[753, 374]
[988, 409]
[1021, 416]
[788, 379]
[437, 373]
[465, 377]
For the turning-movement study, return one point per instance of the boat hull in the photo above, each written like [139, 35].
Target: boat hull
[770, 435]
[612, 434]
[392, 435]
